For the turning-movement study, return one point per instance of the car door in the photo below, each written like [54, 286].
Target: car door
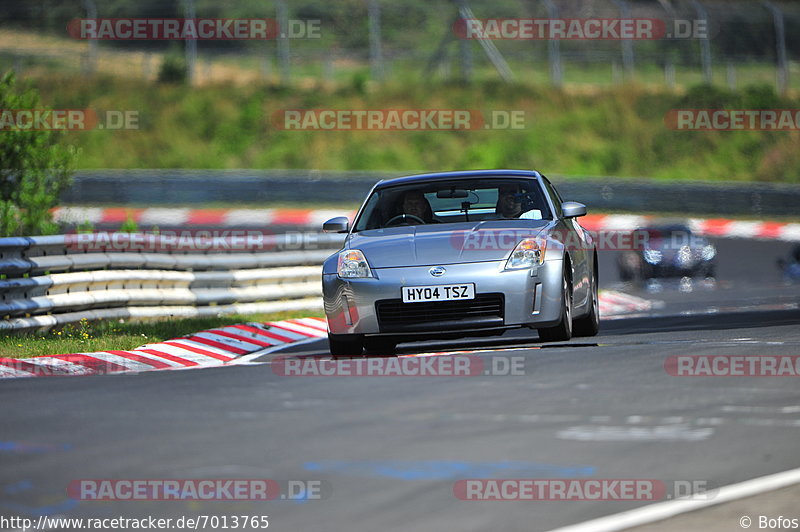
[579, 243]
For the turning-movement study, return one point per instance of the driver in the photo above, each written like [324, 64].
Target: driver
[415, 204]
[510, 204]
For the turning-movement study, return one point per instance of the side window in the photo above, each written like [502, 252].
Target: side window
[553, 193]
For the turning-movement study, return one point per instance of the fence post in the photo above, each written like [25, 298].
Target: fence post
[554, 48]
[91, 12]
[488, 46]
[627, 44]
[191, 44]
[283, 40]
[465, 56]
[705, 43]
[780, 46]
[375, 48]
[731, 75]
[327, 68]
[669, 74]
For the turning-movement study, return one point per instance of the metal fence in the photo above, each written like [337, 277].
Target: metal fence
[359, 40]
[54, 280]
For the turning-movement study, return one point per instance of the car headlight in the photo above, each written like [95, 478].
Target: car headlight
[684, 256]
[709, 252]
[529, 252]
[353, 264]
[653, 256]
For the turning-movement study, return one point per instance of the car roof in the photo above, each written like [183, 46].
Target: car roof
[442, 176]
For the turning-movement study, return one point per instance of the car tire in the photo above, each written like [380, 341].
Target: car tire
[589, 325]
[345, 345]
[563, 331]
[379, 346]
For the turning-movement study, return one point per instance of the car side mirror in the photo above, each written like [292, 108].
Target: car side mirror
[340, 224]
[573, 209]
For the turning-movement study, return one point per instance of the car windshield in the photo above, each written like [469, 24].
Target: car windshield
[464, 200]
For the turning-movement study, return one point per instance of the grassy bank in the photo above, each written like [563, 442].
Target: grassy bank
[86, 337]
[616, 131]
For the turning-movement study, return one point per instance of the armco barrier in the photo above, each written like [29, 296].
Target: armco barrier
[185, 187]
[54, 280]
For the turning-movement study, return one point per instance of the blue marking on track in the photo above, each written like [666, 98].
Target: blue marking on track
[51, 509]
[32, 448]
[447, 469]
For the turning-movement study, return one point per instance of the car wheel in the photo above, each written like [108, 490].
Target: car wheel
[563, 331]
[589, 325]
[379, 346]
[345, 345]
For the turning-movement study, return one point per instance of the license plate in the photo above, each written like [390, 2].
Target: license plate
[442, 292]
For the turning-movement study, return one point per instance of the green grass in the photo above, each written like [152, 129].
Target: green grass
[86, 337]
[610, 131]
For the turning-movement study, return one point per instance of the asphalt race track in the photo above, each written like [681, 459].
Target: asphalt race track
[388, 450]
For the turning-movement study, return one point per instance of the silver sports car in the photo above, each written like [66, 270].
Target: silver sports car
[458, 254]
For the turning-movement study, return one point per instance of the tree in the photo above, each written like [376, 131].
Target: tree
[35, 167]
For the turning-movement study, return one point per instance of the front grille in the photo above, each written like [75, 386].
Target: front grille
[486, 310]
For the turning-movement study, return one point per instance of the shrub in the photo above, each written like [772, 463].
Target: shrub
[34, 168]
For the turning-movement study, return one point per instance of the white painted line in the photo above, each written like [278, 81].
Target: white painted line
[6, 371]
[738, 229]
[157, 358]
[287, 331]
[190, 343]
[203, 360]
[78, 215]
[132, 365]
[250, 336]
[622, 433]
[69, 368]
[623, 222]
[301, 329]
[664, 510]
[315, 323]
[248, 217]
[746, 409]
[790, 232]
[240, 343]
[164, 217]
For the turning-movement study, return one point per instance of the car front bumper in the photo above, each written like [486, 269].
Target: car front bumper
[530, 297]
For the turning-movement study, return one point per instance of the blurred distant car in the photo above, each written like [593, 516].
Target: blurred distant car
[790, 269]
[460, 254]
[665, 251]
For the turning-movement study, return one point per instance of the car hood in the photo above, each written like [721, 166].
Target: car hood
[435, 244]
